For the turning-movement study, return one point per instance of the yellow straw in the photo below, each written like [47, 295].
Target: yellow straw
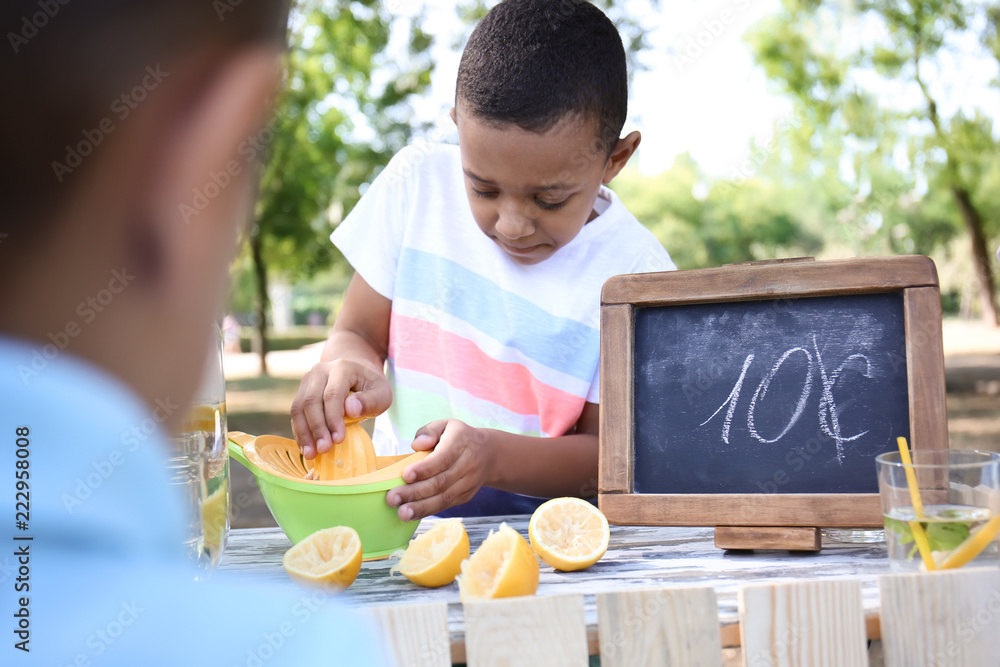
[918, 507]
[911, 477]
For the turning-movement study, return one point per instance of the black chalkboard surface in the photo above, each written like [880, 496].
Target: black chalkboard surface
[779, 396]
[754, 397]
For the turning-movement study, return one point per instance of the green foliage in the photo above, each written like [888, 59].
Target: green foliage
[793, 56]
[901, 165]
[337, 63]
[729, 221]
[991, 33]
[977, 154]
[243, 287]
[342, 113]
[852, 171]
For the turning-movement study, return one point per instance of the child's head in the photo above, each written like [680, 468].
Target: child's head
[117, 114]
[540, 102]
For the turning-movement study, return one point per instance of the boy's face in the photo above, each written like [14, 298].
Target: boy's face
[531, 192]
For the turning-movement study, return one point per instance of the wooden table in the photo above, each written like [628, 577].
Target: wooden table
[638, 558]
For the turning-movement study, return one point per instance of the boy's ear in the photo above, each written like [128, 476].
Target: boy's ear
[454, 118]
[619, 157]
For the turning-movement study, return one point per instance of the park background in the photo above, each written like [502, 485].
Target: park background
[771, 128]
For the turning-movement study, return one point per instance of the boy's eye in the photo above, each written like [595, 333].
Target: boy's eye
[484, 195]
[550, 206]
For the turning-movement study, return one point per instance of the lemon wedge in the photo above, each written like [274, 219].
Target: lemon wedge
[503, 566]
[434, 558]
[973, 545]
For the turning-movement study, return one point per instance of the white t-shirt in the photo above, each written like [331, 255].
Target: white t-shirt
[474, 335]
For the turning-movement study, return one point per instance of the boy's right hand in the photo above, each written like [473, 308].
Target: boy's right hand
[325, 397]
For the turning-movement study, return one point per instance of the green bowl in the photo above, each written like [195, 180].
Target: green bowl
[301, 508]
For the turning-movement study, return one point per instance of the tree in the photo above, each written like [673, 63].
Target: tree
[339, 73]
[839, 86]
[703, 224]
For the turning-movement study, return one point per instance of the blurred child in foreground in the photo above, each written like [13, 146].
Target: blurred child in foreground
[115, 112]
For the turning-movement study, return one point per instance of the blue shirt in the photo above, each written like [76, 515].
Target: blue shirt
[91, 562]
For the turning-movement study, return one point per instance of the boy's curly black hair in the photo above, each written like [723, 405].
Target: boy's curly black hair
[535, 62]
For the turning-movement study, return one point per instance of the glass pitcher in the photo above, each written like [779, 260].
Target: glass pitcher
[200, 464]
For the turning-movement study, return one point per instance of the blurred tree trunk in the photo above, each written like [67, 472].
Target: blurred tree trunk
[260, 269]
[980, 256]
[971, 216]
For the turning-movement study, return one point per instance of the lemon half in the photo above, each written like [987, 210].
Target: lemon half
[330, 558]
[569, 533]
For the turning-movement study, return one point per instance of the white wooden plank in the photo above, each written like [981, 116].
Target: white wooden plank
[416, 634]
[662, 627]
[943, 618]
[526, 631]
[803, 624]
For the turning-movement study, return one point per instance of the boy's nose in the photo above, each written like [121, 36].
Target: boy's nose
[512, 225]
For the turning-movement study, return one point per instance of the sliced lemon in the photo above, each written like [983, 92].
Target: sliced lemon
[435, 558]
[503, 566]
[330, 558]
[973, 545]
[569, 534]
[215, 516]
[203, 418]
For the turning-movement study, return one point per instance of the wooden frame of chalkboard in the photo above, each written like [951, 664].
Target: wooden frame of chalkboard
[775, 285]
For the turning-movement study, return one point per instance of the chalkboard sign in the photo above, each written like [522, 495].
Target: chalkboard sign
[791, 396]
[759, 394]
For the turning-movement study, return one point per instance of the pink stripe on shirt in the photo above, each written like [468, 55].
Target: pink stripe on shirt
[425, 347]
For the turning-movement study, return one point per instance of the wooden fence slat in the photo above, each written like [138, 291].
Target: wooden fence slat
[803, 624]
[662, 627]
[545, 631]
[417, 634]
[949, 617]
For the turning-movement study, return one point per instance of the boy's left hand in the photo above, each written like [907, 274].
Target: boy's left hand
[452, 474]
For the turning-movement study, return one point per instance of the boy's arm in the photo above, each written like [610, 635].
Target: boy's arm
[466, 458]
[352, 361]
[549, 467]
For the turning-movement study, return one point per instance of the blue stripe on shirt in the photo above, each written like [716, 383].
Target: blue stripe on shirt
[472, 298]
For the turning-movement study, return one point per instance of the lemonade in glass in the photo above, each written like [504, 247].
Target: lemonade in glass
[948, 513]
[199, 464]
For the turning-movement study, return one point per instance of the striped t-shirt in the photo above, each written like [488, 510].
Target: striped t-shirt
[474, 335]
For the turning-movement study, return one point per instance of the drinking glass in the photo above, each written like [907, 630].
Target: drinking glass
[200, 465]
[959, 492]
